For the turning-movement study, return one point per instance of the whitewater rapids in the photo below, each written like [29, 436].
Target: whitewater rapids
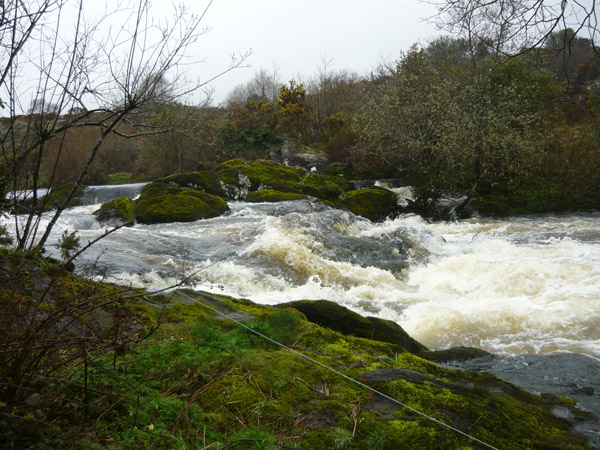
[520, 285]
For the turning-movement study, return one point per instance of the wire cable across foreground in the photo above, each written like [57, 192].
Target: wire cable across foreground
[331, 369]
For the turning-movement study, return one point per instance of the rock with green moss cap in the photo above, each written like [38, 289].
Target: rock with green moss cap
[270, 195]
[163, 203]
[326, 187]
[338, 318]
[374, 204]
[117, 212]
[238, 177]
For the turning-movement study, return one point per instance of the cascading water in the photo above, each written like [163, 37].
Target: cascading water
[93, 195]
[521, 285]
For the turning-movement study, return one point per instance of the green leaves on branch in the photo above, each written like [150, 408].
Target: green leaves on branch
[69, 244]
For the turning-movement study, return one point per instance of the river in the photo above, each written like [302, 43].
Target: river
[508, 286]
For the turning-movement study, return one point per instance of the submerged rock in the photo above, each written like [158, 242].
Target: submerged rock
[555, 375]
[456, 354]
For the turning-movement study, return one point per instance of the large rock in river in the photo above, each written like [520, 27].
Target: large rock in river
[119, 211]
[374, 204]
[238, 177]
[269, 195]
[202, 180]
[161, 203]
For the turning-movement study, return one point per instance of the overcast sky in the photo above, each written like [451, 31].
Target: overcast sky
[296, 35]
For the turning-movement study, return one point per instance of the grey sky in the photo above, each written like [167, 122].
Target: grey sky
[296, 35]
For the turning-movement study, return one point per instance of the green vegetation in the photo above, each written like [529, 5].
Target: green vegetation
[326, 187]
[270, 195]
[119, 211]
[514, 134]
[118, 178]
[162, 203]
[203, 180]
[374, 204]
[169, 371]
[85, 364]
[239, 177]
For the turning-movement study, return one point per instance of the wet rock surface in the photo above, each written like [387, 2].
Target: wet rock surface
[338, 318]
[573, 375]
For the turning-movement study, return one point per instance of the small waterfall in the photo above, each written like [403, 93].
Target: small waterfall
[93, 195]
[23, 195]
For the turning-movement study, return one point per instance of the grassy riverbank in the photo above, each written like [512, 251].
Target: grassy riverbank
[88, 365]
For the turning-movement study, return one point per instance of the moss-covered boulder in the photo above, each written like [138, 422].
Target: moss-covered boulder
[238, 177]
[202, 180]
[374, 204]
[338, 318]
[117, 212]
[270, 195]
[157, 189]
[161, 203]
[326, 187]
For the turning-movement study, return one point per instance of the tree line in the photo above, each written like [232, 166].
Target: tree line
[448, 116]
[470, 113]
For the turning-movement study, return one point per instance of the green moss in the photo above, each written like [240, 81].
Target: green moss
[269, 174]
[119, 211]
[262, 174]
[327, 187]
[331, 315]
[185, 206]
[58, 195]
[201, 380]
[231, 164]
[374, 204]
[269, 195]
[157, 189]
[214, 201]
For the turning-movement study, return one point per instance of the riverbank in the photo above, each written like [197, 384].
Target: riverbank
[173, 372]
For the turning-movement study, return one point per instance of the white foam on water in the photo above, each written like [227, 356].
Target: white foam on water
[523, 285]
[509, 288]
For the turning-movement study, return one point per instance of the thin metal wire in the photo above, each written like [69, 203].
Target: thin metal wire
[375, 391]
